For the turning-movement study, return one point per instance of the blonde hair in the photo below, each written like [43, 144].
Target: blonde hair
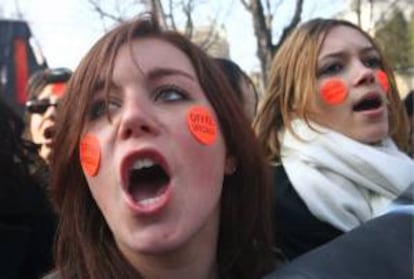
[293, 79]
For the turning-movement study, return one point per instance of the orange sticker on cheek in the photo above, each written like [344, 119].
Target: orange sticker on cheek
[202, 125]
[58, 89]
[90, 154]
[383, 80]
[334, 92]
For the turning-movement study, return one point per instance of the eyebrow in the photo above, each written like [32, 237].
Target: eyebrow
[341, 53]
[158, 73]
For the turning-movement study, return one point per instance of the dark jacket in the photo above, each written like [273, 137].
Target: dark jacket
[381, 248]
[297, 230]
[27, 226]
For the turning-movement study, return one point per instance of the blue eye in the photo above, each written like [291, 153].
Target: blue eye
[330, 69]
[100, 107]
[170, 94]
[373, 62]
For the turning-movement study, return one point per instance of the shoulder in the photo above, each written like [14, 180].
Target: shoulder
[356, 254]
[52, 275]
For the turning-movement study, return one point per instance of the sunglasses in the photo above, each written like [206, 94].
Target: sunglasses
[40, 106]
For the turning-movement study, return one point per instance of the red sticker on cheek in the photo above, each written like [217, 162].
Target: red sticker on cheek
[58, 89]
[383, 80]
[334, 92]
[90, 154]
[202, 125]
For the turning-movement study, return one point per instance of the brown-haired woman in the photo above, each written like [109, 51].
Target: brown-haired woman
[332, 123]
[150, 176]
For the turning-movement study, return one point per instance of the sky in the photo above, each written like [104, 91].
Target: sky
[66, 29]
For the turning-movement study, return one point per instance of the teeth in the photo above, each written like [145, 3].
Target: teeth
[143, 163]
[150, 201]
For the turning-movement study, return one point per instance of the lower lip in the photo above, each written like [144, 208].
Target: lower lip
[374, 113]
[150, 209]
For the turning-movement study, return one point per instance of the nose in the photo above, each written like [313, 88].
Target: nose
[365, 75]
[138, 120]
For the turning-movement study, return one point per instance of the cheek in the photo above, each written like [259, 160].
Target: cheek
[90, 155]
[202, 125]
[383, 80]
[333, 92]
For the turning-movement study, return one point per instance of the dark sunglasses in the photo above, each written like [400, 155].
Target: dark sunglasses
[40, 106]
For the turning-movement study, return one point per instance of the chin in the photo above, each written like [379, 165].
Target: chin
[375, 136]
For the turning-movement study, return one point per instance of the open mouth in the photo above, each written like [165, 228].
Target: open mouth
[147, 182]
[369, 102]
[49, 132]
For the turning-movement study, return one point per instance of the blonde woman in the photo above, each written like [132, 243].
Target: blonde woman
[332, 124]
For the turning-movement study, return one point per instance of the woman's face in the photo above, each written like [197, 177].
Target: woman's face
[352, 88]
[42, 124]
[157, 182]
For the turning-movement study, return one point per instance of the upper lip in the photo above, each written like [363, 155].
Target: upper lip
[129, 159]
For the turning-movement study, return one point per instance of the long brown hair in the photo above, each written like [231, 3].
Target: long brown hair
[293, 78]
[85, 246]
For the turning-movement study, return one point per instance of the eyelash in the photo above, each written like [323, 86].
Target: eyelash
[330, 69]
[167, 90]
[373, 60]
[335, 67]
[100, 107]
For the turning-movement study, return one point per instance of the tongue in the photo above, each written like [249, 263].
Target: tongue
[146, 191]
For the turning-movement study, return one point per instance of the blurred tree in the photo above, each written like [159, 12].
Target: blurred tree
[169, 12]
[262, 17]
[269, 33]
[411, 38]
[393, 37]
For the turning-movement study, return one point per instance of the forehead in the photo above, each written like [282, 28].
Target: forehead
[145, 54]
[344, 37]
[47, 92]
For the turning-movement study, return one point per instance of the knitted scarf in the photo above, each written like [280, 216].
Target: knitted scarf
[342, 181]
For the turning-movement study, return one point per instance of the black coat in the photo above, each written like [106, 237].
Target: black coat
[297, 230]
[27, 227]
[381, 248]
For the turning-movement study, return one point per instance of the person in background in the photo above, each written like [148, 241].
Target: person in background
[27, 222]
[409, 108]
[333, 126]
[45, 89]
[242, 84]
[151, 177]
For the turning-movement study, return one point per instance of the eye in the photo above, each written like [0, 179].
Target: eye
[170, 93]
[330, 69]
[373, 62]
[100, 107]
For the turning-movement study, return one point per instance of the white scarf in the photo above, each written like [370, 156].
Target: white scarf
[342, 181]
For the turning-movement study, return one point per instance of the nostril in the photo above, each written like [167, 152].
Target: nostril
[145, 128]
[127, 133]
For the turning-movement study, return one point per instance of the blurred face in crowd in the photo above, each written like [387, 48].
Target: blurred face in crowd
[157, 181]
[352, 87]
[42, 117]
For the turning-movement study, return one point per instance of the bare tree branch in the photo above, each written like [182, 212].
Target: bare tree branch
[293, 23]
[96, 5]
[246, 5]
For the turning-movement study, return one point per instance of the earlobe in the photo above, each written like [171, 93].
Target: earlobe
[230, 166]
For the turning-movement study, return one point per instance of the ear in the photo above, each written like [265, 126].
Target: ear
[230, 165]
